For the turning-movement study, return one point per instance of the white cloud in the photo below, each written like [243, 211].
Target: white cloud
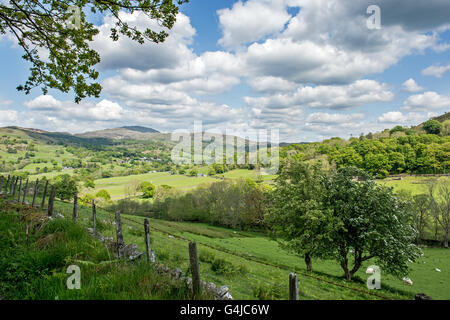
[5, 103]
[336, 118]
[8, 117]
[43, 103]
[436, 70]
[411, 85]
[410, 118]
[104, 110]
[251, 21]
[334, 97]
[126, 53]
[427, 101]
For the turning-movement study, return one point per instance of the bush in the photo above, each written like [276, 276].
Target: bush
[432, 127]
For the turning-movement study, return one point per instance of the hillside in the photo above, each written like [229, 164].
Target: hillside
[129, 132]
[249, 263]
[36, 251]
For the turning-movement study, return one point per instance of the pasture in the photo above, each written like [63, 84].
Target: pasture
[254, 267]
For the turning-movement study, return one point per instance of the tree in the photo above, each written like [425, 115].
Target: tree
[371, 223]
[432, 127]
[89, 183]
[55, 36]
[296, 213]
[439, 197]
[65, 186]
[396, 129]
[148, 190]
[421, 205]
[103, 194]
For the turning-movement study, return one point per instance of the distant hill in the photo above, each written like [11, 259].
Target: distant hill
[140, 129]
[127, 132]
[443, 118]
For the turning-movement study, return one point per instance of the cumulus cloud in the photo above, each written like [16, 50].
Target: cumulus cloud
[336, 118]
[410, 118]
[8, 117]
[427, 101]
[251, 21]
[436, 70]
[126, 53]
[334, 97]
[411, 85]
[104, 110]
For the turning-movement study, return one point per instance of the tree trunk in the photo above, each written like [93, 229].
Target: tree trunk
[446, 239]
[308, 262]
[344, 265]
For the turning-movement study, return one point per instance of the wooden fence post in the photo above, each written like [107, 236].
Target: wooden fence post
[75, 207]
[45, 195]
[119, 229]
[94, 217]
[25, 192]
[7, 184]
[15, 181]
[193, 257]
[20, 190]
[51, 201]
[36, 186]
[147, 240]
[293, 287]
[1, 184]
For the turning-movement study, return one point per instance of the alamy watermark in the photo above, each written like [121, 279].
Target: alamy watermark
[374, 280]
[374, 21]
[256, 147]
[74, 20]
[74, 281]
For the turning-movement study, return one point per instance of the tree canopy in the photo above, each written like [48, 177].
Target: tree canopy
[55, 36]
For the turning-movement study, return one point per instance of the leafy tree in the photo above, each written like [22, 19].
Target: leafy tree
[370, 223]
[421, 205]
[86, 199]
[397, 129]
[89, 183]
[65, 186]
[42, 26]
[439, 197]
[148, 190]
[103, 194]
[296, 213]
[432, 127]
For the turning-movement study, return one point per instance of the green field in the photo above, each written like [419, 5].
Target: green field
[255, 267]
[117, 186]
[413, 184]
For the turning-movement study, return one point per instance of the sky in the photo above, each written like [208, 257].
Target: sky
[311, 69]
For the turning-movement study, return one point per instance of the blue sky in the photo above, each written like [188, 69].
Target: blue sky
[311, 69]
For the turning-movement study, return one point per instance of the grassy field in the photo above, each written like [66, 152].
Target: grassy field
[117, 186]
[254, 267]
[413, 184]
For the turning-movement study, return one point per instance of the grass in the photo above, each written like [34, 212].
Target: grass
[253, 266]
[412, 184]
[36, 251]
[116, 186]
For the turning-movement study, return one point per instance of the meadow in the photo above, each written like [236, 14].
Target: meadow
[254, 267]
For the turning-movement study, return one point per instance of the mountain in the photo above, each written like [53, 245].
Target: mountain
[140, 129]
[127, 132]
